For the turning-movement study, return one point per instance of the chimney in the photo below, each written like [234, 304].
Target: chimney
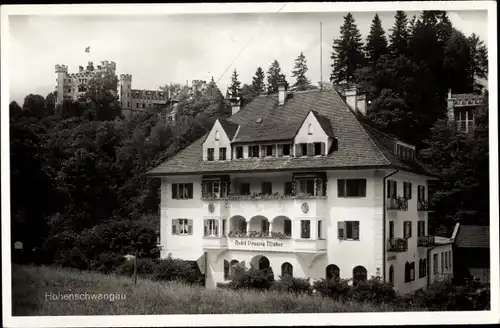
[354, 100]
[80, 68]
[281, 93]
[235, 105]
[361, 104]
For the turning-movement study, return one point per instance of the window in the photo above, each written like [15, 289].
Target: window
[421, 193]
[286, 269]
[320, 229]
[412, 271]
[137, 105]
[182, 227]
[435, 263]
[239, 152]
[286, 150]
[253, 151]
[215, 188]
[391, 274]
[409, 271]
[210, 154]
[69, 89]
[182, 190]
[391, 229]
[318, 148]
[392, 189]
[288, 188]
[309, 129]
[332, 271]
[267, 188]
[305, 229]
[216, 135]
[128, 104]
[407, 190]
[359, 274]
[143, 105]
[222, 154]
[270, 150]
[226, 270]
[421, 228]
[211, 228]
[351, 188]
[407, 229]
[306, 186]
[245, 189]
[422, 268]
[348, 230]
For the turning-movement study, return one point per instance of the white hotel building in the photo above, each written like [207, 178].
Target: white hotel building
[298, 183]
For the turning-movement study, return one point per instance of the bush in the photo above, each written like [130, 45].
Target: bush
[179, 270]
[252, 279]
[107, 262]
[292, 285]
[374, 290]
[145, 267]
[334, 287]
[443, 296]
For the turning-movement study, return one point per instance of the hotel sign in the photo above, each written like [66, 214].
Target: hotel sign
[276, 245]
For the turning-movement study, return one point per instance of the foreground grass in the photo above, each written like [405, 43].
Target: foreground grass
[31, 285]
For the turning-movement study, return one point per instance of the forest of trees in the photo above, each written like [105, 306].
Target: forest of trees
[78, 184]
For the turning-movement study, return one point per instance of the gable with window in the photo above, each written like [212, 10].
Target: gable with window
[351, 188]
[182, 227]
[348, 230]
[182, 190]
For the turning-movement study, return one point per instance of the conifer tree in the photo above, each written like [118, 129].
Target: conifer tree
[479, 59]
[234, 89]
[299, 73]
[376, 45]
[347, 52]
[457, 63]
[399, 35]
[258, 84]
[274, 77]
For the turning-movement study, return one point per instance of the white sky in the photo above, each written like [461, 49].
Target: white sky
[161, 49]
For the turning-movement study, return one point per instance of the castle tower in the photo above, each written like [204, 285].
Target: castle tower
[62, 72]
[126, 91]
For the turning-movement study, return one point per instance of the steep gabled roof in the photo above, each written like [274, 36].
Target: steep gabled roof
[229, 127]
[325, 124]
[473, 236]
[356, 146]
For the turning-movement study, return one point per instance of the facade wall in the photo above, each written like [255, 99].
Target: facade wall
[345, 254]
[318, 134]
[443, 269]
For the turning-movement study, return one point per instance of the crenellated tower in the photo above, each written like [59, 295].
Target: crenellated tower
[126, 91]
[62, 72]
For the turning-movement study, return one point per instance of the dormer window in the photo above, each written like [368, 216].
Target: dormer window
[405, 153]
[269, 150]
[286, 150]
[217, 135]
[309, 129]
[222, 154]
[239, 152]
[317, 148]
[253, 151]
[303, 149]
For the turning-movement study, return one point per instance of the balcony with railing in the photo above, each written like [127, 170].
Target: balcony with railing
[397, 204]
[397, 245]
[423, 206]
[425, 241]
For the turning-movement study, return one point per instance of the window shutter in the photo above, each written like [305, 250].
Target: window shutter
[355, 230]
[389, 187]
[190, 227]
[280, 150]
[323, 148]
[262, 151]
[395, 192]
[340, 188]
[217, 227]
[249, 151]
[274, 150]
[409, 190]
[298, 151]
[174, 226]
[174, 191]
[341, 230]
[190, 190]
[310, 149]
[409, 228]
[205, 227]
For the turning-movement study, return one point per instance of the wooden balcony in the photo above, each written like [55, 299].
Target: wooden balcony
[397, 245]
[397, 204]
[423, 206]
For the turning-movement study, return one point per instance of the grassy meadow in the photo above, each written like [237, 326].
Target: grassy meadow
[33, 285]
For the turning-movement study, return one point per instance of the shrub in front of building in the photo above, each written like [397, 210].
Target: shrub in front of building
[252, 279]
[442, 296]
[107, 262]
[335, 288]
[292, 285]
[374, 290]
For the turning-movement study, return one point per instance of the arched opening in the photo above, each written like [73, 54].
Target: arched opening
[391, 274]
[234, 268]
[261, 263]
[258, 226]
[332, 271]
[282, 225]
[237, 226]
[359, 273]
[226, 270]
[286, 269]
